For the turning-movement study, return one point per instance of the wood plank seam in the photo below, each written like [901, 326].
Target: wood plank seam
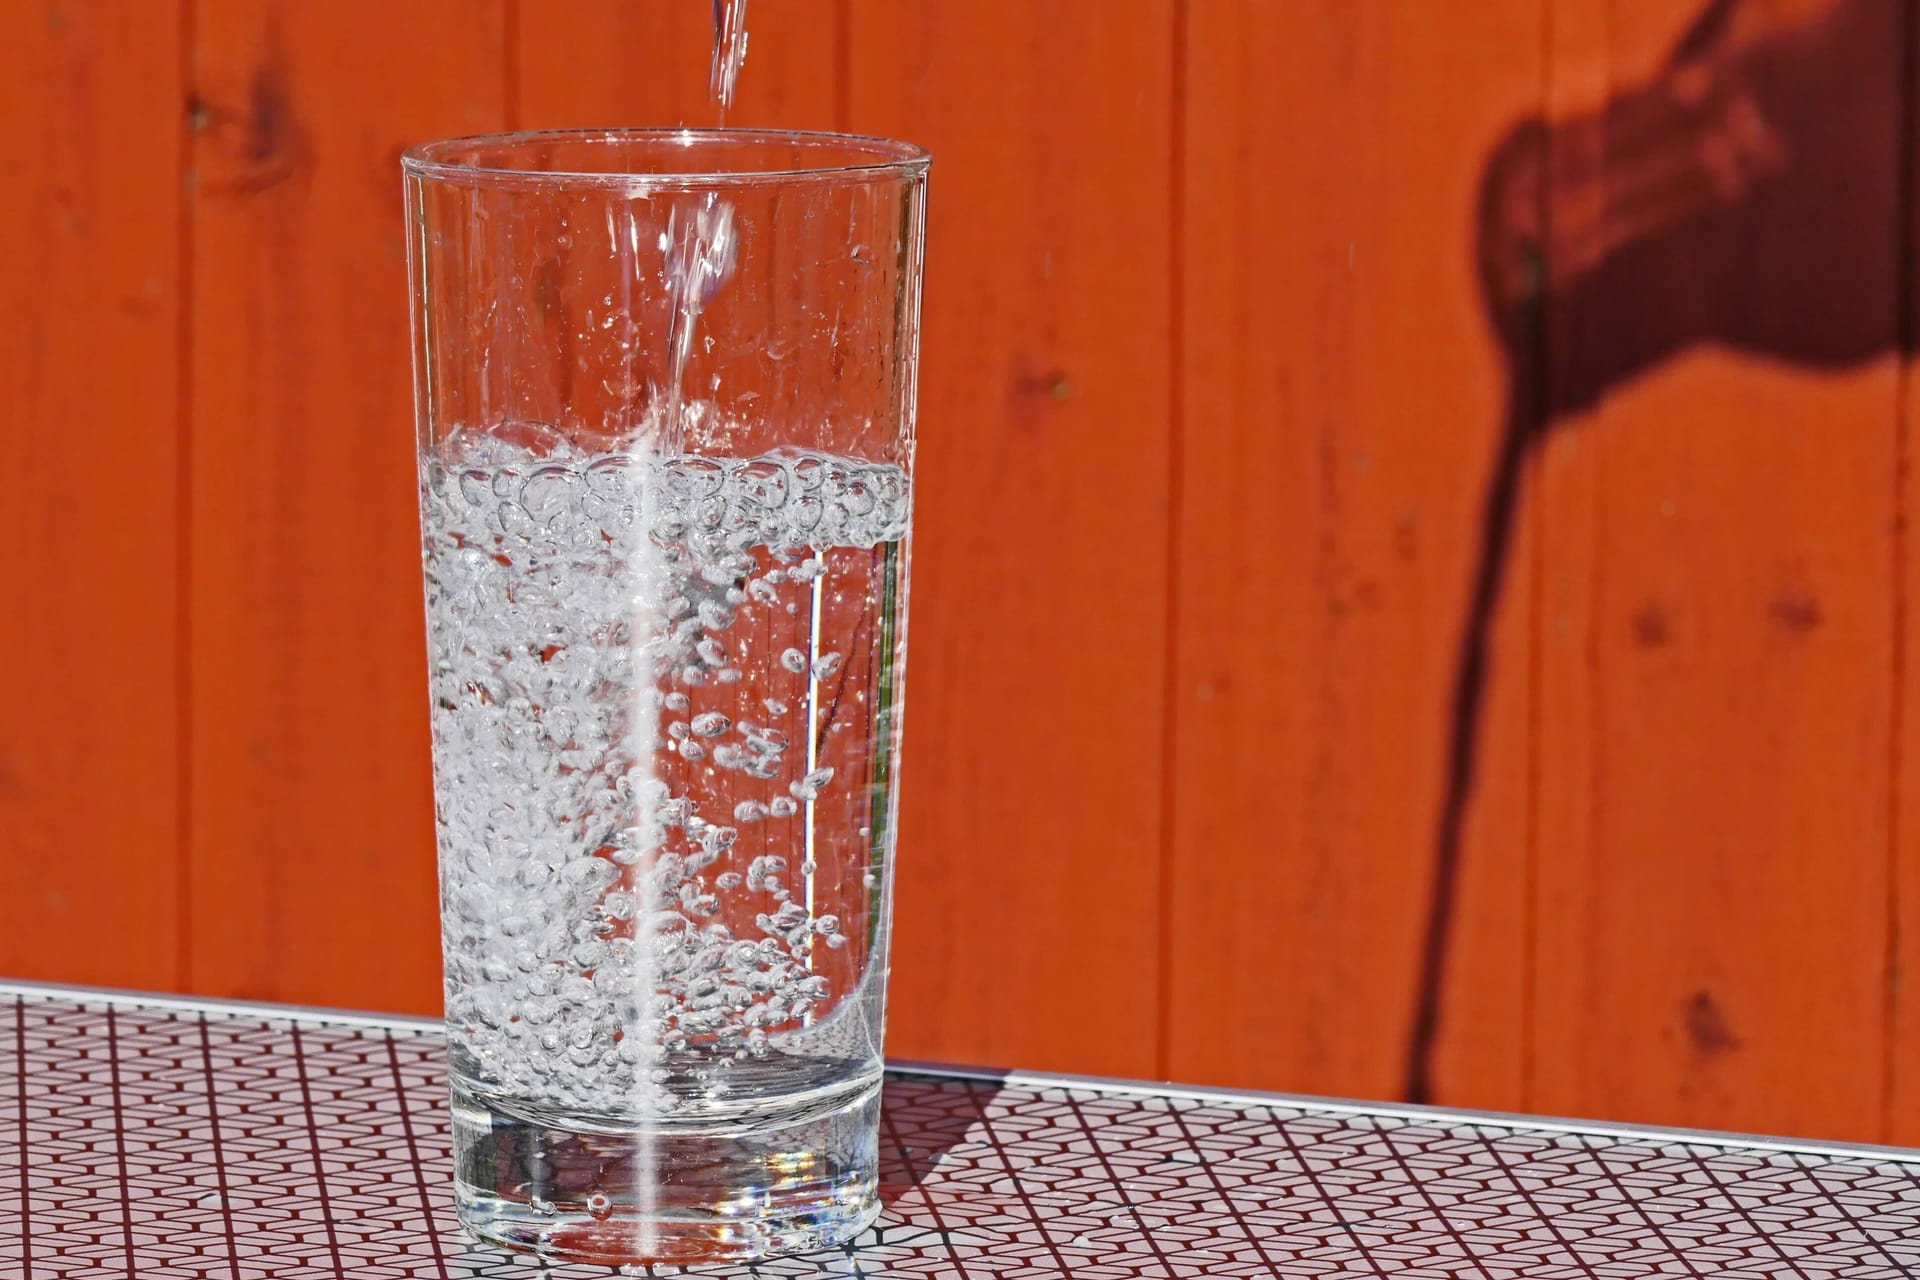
[1898, 595]
[1176, 474]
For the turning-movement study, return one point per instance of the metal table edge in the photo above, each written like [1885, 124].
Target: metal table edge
[1039, 1080]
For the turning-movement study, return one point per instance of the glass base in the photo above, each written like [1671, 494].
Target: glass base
[776, 1180]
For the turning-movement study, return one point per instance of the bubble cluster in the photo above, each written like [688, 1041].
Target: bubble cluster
[585, 611]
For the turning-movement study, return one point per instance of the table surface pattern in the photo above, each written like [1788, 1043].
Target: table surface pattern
[159, 1138]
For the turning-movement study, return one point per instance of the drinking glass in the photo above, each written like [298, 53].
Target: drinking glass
[665, 401]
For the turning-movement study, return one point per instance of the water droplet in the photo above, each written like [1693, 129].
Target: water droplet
[729, 756]
[837, 940]
[763, 591]
[749, 811]
[775, 707]
[677, 730]
[781, 807]
[711, 652]
[676, 701]
[715, 616]
[729, 675]
[599, 1204]
[794, 661]
[690, 749]
[827, 667]
[711, 724]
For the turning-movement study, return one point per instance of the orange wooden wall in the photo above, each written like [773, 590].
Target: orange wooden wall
[1209, 404]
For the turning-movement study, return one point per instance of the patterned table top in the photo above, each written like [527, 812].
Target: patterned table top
[153, 1137]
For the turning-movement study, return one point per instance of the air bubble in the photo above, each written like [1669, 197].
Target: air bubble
[690, 749]
[711, 652]
[515, 520]
[715, 616]
[781, 807]
[749, 811]
[827, 667]
[711, 724]
[794, 661]
[768, 742]
[809, 787]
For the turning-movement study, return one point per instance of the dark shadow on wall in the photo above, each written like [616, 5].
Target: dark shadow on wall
[1755, 195]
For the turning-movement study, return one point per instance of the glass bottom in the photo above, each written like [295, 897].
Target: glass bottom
[778, 1180]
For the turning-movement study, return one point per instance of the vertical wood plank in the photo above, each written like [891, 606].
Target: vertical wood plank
[1031, 827]
[1901, 1115]
[312, 849]
[623, 64]
[90, 306]
[1713, 898]
[1341, 402]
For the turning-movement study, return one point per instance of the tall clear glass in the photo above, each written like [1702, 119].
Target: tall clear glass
[665, 399]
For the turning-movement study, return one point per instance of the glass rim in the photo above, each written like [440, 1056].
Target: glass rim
[872, 158]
